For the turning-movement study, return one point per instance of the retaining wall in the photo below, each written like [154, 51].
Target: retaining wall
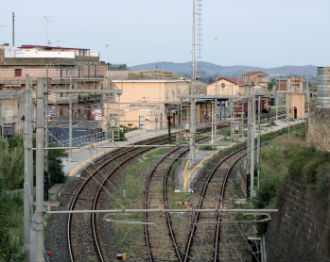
[301, 229]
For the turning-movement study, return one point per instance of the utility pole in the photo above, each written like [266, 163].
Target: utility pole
[288, 108]
[276, 96]
[70, 118]
[40, 159]
[1, 122]
[212, 124]
[13, 29]
[46, 175]
[28, 166]
[242, 119]
[231, 120]
[258, 141]
[250, 141]
[308, 97]
[193, 89]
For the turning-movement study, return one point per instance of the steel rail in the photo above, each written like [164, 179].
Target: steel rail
[83, 185]
[200, 204]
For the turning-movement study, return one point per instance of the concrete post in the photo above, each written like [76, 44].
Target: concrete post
[46, 137]
[192, 130]
[70, 118]
[250, 140]
[40, 158]
[231, 120]
[276, 97]
[28, 166]
[253, 107]
[212, 127]
[1, 122]
[258, 141]
[242, 119]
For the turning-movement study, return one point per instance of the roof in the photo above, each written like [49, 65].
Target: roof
[254, 73]
[233, 80]
[150, 81]
[50, 47]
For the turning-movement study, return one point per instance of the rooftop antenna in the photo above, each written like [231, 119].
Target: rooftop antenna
[47, 20]
[13, 29]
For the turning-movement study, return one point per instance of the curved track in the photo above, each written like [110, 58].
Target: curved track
[86, 197]
[83, 230]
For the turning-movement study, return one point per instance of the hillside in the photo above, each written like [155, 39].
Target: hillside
[207, 69]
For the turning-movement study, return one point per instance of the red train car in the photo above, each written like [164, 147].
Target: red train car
[239, 105]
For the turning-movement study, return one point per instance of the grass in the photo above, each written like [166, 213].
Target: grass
[176, 200]
[206, 148]
[11, 228]
[271, 124]
[291, 159]
[133, 185]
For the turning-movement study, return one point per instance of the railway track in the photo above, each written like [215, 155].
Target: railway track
[209, 197]
[269, 116]
[83, 243]
[158, 178]
[82, 235]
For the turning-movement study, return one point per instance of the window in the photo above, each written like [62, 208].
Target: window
[18, 72]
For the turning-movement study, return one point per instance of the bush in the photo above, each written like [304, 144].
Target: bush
[12, 162]
[206, 148]
[307, 165]
[56, 174]
[11, 228]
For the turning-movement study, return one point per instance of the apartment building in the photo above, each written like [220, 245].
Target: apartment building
[59, 65]
[257, 78]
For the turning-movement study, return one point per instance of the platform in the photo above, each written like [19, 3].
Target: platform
[186, 172]
[81, 158]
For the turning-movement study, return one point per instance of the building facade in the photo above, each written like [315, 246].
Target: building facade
[58, 65]
[256, 78]
[146, 104]
[227, 86]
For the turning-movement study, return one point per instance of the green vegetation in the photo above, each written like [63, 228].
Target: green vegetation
[270, 86]
[129, 194]
[11, 227]
[55, 168]
[116, 67]
[207, 148]
[311, 168]
[124, 130]
[176, 200]
[288, 158]
[11, 202]
[271, 124]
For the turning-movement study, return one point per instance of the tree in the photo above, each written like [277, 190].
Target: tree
[270, 86]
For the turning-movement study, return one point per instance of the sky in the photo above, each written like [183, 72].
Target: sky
[265, 33]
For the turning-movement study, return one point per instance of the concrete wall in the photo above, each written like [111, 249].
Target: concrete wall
[301, 229]
[7, 73]
[228, 89]
[149, 101]
[296, 102]
[11, 111]
[117, 75]
[319, 127]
